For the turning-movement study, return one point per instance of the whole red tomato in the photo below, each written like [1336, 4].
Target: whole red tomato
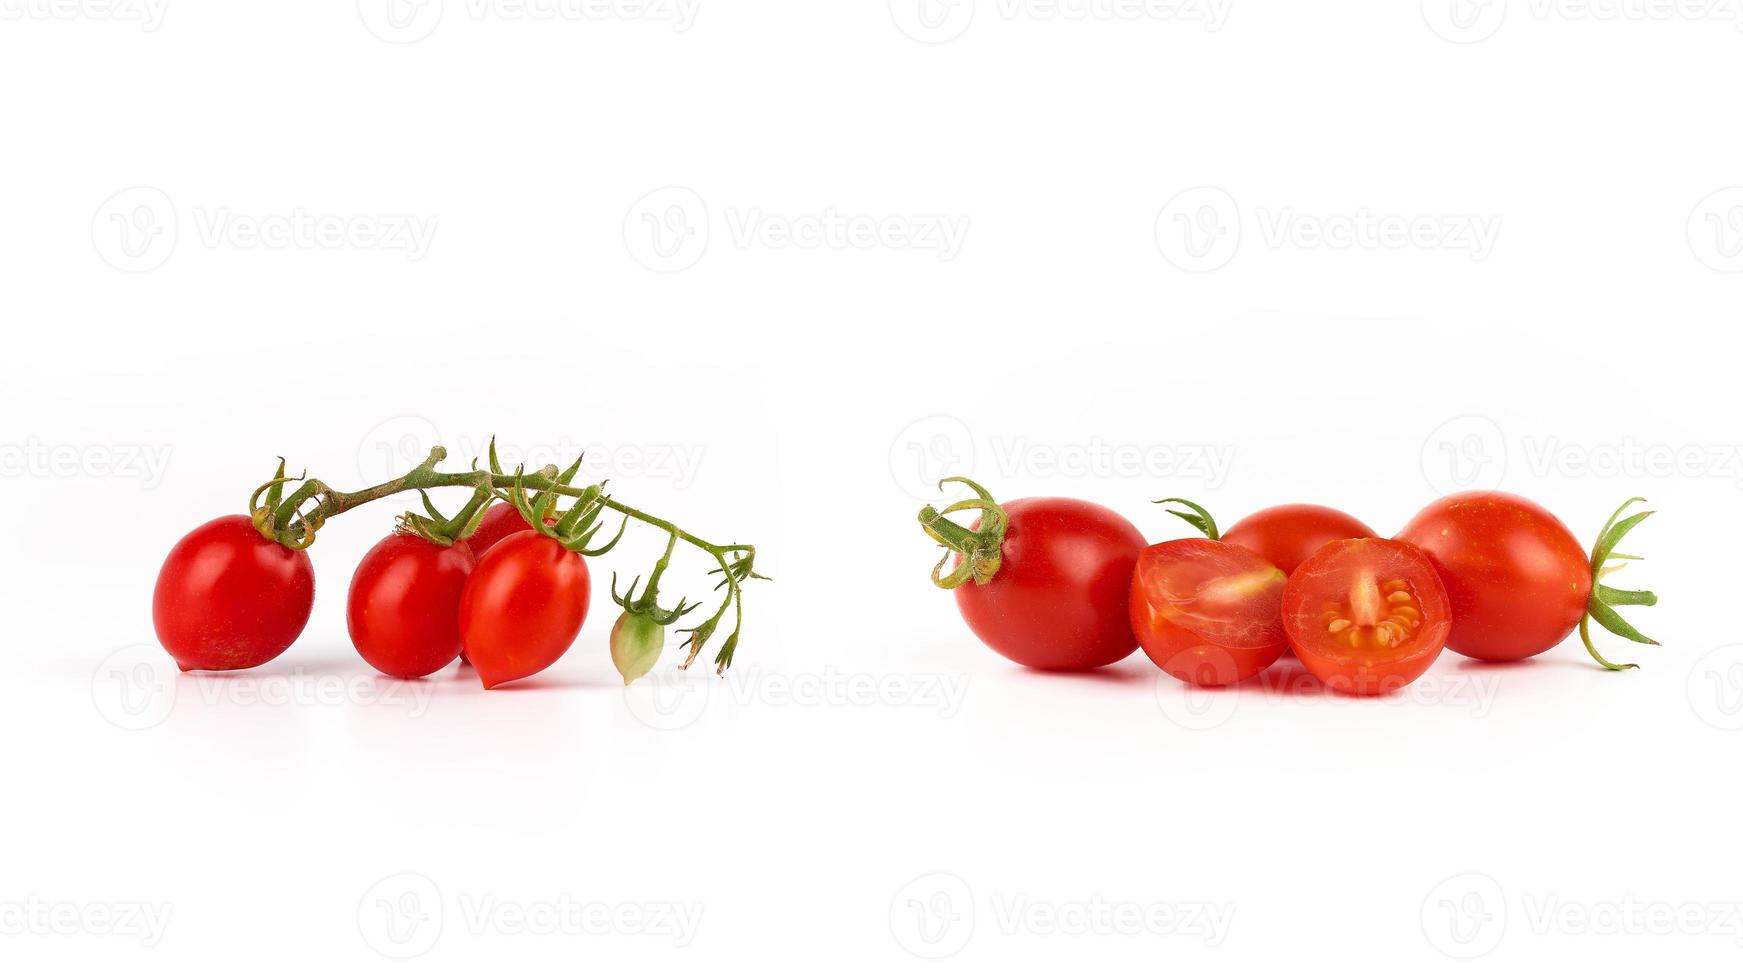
[522, 607]
[1059, 600]
[1289, 534]
[228, 597]
[1517, 577]
[1366, 615]
[1208, 612]
[404, 607]
[500, 521]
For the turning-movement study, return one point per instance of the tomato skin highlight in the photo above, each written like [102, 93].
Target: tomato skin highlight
[522, 607]
[1208, 612]
[1355, 589]
[229, 598]
[1289, 534]
[403, 610]
[1059, 600]
[1517, 577]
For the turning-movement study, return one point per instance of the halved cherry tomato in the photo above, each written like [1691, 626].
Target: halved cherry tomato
[403, 610]
[1059, 600]
[228, 597]
[1366, 615]
[1208, 612]
[522, 607]
[1289, 534]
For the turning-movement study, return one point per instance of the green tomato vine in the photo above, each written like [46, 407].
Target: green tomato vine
[292, 519]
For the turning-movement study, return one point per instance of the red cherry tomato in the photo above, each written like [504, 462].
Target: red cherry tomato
[1208, 612]
[1059, 599]
[501, 519]
[1367, 615]
[1289, 534]
[228, 597]
[1517, 577]
[404, 608]
[522, 607]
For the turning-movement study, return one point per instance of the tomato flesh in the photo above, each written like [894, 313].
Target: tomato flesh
[403, 610]
[229, 598]
[522, 607]
[1289, 534]
[1059, 599]
[1208, 612]
[500, 520]
[1517, 577]
[1366, 615]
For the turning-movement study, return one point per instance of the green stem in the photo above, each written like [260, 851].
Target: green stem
[290, 525]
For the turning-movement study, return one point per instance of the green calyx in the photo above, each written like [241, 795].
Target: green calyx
[1197, 516]
[292, 517]
[1601, 606]
[980, 550]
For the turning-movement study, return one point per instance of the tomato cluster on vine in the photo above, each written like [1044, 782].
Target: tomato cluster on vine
[502, 584]
[1061, 584]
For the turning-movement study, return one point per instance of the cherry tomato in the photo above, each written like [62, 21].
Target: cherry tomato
[1288, 534]
[1517, 577]
[522, 607]
[500, 521]
[228, 597]
[1059, 599]
[1366, 615]
[1208, 612]
[404, 608]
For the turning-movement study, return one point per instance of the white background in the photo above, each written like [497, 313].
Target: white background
[867, 760]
